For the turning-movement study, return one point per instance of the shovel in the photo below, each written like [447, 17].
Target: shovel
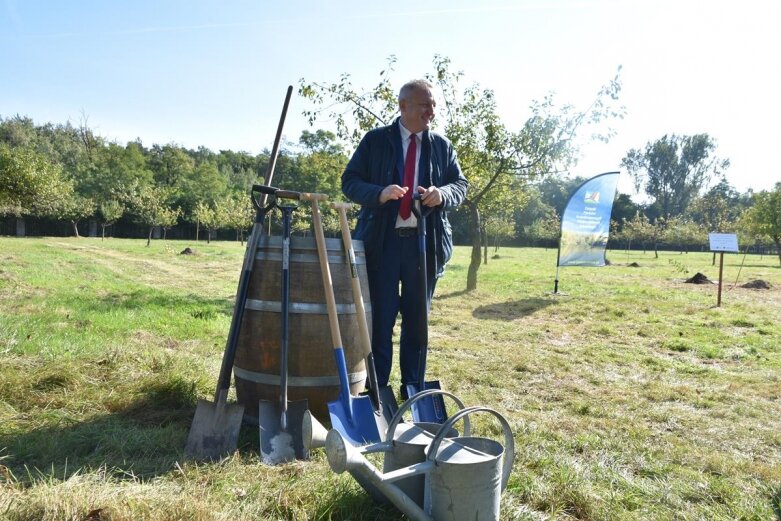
[352, 416]
[215, 428]
[382, 413]
[281, 424]
[430, 409]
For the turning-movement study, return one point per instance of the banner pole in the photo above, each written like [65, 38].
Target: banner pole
[721, 272]
[556, 282]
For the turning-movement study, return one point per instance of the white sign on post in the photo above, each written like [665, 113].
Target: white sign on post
[723, 242]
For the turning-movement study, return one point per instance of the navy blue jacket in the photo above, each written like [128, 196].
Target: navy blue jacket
[377, 163]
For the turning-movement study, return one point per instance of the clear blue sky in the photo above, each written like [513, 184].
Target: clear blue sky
[214, 73]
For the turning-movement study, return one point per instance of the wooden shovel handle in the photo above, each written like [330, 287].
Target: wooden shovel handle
[325, 269]
[363, 326]
[314, 198]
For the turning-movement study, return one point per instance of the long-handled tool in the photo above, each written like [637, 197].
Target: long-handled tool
[431, 408]
[215, 428]
[352, 416]
[281, 423]
[382, 413]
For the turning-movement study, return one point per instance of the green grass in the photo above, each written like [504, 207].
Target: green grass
[631, 397]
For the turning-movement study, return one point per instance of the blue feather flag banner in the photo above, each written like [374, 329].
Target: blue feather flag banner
[585, 223]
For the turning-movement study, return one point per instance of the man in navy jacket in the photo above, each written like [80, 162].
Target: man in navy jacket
[381, 176]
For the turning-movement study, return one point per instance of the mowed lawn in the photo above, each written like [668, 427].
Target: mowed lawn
[631, 396]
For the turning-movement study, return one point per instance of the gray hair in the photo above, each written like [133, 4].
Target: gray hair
[412, 86]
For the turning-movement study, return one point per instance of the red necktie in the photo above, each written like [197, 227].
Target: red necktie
[409, 178]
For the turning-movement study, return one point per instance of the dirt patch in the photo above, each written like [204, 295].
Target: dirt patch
[756, 284]
[698, 278]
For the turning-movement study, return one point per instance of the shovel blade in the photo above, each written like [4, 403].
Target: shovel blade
[352, 416]
[355, 420]
[214, 432]
[279, 445]
[430, 409]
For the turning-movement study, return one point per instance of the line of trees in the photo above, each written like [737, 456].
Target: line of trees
[70, 174]
[517, 190]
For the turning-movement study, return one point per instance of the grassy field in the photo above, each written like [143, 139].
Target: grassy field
[632, 397]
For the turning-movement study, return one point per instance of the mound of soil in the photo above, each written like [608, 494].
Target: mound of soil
[756, 284]
[698, 278]
[633, 265]
[187, 251]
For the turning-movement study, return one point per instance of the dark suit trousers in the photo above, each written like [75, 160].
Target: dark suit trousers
[395, 288]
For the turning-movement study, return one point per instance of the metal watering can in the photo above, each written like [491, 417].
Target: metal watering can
[406, 444]
[464, 476]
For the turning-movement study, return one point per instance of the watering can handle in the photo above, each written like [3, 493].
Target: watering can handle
[408, 404]
[509, 442]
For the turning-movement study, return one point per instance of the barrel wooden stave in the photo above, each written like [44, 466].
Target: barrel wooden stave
[310, 347]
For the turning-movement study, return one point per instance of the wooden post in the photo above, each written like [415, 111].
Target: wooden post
[721, 271]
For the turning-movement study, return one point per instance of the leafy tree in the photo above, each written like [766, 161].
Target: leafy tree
[171, 165]
[205, 182]
[205, 215]
[168, 218]
[499, 227]
[534, 208]
[625, 208]
[640, 229]
[111, 169]
[239, 214]
[319, 167]
[73, 208]
[674, 169]
[29, 183]
[544, 230]
[241, 169]
[150, 206]
[493, 157]
[110, 212]
[683, 233]
[764, 218]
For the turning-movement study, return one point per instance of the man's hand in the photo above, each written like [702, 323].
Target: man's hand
[391, 193]
[430, 196]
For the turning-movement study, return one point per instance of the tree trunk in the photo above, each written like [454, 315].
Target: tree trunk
[208, 236]
[474, 264]
[103, 232]
[777, 240]
[149, 237]
[197, 229]
[75, 229]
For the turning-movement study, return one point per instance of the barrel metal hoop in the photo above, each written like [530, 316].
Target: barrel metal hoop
[296, 381]
[303, 258]
[301, 308]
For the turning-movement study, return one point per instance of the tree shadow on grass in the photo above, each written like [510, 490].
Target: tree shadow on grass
[512, 310]
[140, 438]
[150, 298]
[454, 294]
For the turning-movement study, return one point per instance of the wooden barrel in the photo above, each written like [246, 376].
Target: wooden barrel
[312, 371]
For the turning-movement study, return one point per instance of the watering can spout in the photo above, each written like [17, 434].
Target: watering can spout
[313, 432]
[344, 456]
